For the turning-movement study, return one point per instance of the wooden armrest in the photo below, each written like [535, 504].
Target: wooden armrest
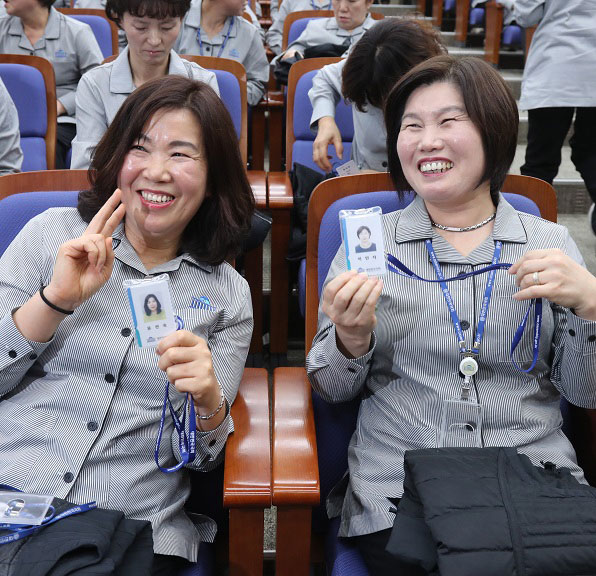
[258, 183]
[295, 470]
[279, 190]
[247, 474]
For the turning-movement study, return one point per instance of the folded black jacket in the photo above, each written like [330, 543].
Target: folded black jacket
[97, 542]
[490, 512]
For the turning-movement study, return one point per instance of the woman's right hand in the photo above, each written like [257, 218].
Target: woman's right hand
[349, 301]
[327, 133]
[83, 265]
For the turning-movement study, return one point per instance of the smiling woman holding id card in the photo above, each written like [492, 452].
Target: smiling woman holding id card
[428, 348]
[82, 394]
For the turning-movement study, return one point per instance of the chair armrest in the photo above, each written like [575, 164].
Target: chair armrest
[247, 473]
[295, 469]
[279, 191]
[258, 182]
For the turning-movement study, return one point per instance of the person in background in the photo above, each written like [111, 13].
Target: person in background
[151, 27]
[395, 344]
[34, 27]
[559, 83]
[274, 35]
[377, 61]
[11, 156]
[169, 194]
[215, 28]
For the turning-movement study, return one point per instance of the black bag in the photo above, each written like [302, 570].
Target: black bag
[281, 70]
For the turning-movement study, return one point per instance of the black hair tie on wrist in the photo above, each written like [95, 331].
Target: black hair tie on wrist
[53, 306]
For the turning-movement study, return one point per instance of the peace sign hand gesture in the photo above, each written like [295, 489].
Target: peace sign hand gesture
[83, 265]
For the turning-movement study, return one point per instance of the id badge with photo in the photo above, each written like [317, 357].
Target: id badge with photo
[151, 309]
[362, 237]
[461, 424]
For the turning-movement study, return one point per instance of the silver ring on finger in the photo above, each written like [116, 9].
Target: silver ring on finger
[536, 279]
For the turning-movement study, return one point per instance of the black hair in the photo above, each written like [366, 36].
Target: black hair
[361, 229]
[148, 311]
[159, 9]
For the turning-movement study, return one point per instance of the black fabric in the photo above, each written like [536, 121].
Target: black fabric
[94, 543]
[327, 49]
[489, 511]
[65, 134]
[281, 70]
[547, 130]
[304, 180]
[168, 565]
[259, 228]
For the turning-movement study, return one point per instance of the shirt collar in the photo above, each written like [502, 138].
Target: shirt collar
[414, 224]
[121, 81]
[125, 253]
[52, 31]
[193, 19]
[333, 25]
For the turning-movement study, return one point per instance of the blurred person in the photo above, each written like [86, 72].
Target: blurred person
[11, 156]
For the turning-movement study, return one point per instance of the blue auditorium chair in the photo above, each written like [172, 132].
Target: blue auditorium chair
[31, 84]
[236, 493]
[477, 17]
[104, 30]
[512, 36]
[319, 432]
[296, 22]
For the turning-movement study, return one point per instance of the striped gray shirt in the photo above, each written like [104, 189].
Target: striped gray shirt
[412, 365]
[79, 415]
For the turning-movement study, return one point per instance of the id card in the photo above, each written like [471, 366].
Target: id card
[362, 236]
[151, 309]
[461, 424]
[21, 508]
[347, 169]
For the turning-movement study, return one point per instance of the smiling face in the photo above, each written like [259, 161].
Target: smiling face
[439, 147]
[350, 13]
[163, 179]
[149, 39]
[152, 303]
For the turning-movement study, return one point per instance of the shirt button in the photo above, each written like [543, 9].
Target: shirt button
[384, 164]
[125, 332]
[591, 338]
[208, 48]
[571, 332]
[33, 356]
[13, 353]
[110, 378]
[465, 324]
[351, 369]
[92, 426]
[211, 443]
[68, 477]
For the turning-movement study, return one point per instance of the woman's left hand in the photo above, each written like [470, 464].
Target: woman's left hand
[553, 275]
[186, 360]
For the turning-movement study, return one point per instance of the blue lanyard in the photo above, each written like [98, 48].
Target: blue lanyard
[19, 532]
[399, 268]
[187, 444]
[221, 48]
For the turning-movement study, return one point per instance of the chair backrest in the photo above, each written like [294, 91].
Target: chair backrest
[335, 422]
[299, 20]
[31, 83]
[104, 30]
[231, 78]
[299, 136]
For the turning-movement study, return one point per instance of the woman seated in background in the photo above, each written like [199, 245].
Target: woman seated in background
[11, 156]
[79, 398]
[375, 64]
[351, 20]
[151, 27]
[216, 28]
[451, 137]
[34, 28]
[101, 5]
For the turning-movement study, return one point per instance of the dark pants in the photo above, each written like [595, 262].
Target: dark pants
[547, 130]
[378, 561]
[168, 565]
[64, 136]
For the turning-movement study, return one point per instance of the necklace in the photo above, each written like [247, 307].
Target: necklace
[465, 228]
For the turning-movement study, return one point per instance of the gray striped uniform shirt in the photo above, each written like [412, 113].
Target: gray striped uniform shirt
[79, 414]
[412, 366]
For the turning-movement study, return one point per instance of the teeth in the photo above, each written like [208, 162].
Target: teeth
[436, 166]
[156, 198]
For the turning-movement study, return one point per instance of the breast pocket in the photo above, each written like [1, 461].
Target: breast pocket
[66, 70]
[198, 320]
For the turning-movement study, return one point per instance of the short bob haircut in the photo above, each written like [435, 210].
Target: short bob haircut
[45, 3]
[158, 9]
[217, 230]
[383, 55]
[489, 104]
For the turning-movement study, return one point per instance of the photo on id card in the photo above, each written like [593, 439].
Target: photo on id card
[362, 237]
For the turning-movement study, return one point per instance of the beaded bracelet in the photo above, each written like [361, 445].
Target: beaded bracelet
[216, 411]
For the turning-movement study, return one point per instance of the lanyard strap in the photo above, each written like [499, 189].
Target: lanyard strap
[397, 267]
[221, 48]
[187, 444]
